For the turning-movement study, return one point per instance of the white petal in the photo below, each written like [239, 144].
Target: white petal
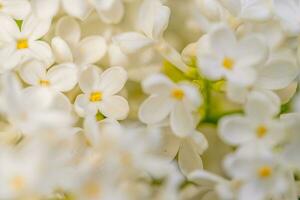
[35, 28]
[42, 51]
[198, 142]
[209, 65]
[132, 42]
[262, 105]
[287, 11]
[170, 144]
[155, 109]
[89, 79]
[114, 107]
[181, 120]
[10, 30]
[77, 8]
[223, 41]
[192, 98]
[9, 58]
[244, 76]
[45, 9]
[237, 93]
[233, 6]
[235, 130]
[63, 77]
[33, 71]
[188, 159]
[157, 84]
[153, 18]
[112, 80]
[259, 10]
[251, 191]
[110, 11]
[277, 74]
[61, 50]
[252, 51]
[18, 9]
[69, 30]
[91, 49]
[84, 107]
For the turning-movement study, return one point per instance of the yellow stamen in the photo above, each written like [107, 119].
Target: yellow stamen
[22, 44]
[228, 63]
[95, 96]
[44, 83]
[92, 190]
[265, 171]
[178, 94]
[261, 131]
[18, 182]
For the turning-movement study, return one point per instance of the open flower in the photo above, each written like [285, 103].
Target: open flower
[18, 9]
[59, 78]
[230, 58]
[259, 124]
[67, 46]
[260, 174]
[19, 45]
[100, 91]
[178, 101]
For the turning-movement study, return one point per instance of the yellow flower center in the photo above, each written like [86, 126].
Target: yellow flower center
[265, 171]
[178, 94]
[95, 96]
[92, 190]
[44, 83]
[22, 44]
[18, 182]
[228, 63]
[261, 131]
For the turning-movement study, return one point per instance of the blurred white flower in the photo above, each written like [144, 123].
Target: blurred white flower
[230, 58]
[67, 46]
[20, 44]
[260, 174]
[258, 124]
[168, 99]
[59, 78]
[100, 91]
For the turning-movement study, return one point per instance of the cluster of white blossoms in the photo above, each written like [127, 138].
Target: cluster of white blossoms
[149, 99]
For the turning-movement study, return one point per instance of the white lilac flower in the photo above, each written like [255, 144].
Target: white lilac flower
[59, 78]
[167, 99]
[18, 9]
[260, 173]
[48, 113]
[230, 58]
[68, 47]
[258, 125]
[188, 148]
[100, 93]
[20, 44]
[47, 9]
